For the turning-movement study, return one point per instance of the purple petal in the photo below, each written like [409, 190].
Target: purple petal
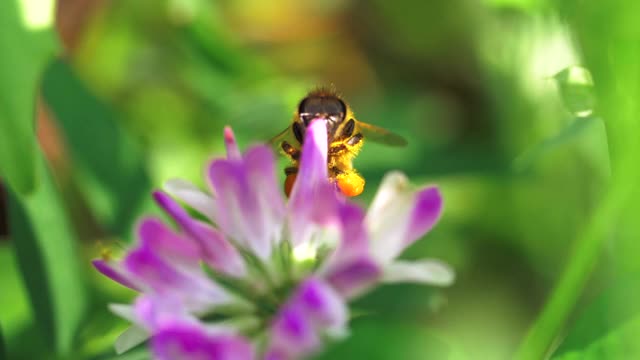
[352, 278]
[354, 242]
[313, 161]
[152, 271]
[116, 275]
[191, 285]
[172, 208]
[315, 309]
[171, 246]
[260, 164]
[321, 303]
[277, 354]
[187, 342]
[293, 333]
[216, 250]
[313, 198]
[153, 312]
[425, 213]
[354, 239]
[398, 216]
[250, 205]
[239, 211]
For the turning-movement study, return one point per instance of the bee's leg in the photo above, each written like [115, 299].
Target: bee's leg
[292, 174]
[335, 171]
[290, 150]
[355, 139]
[347, 146]
[337, 149]
[298, 132]
[348, 128]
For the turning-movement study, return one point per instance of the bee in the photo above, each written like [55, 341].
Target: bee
[345, 134]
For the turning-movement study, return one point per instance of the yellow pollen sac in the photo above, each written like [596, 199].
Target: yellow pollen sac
[350, 184]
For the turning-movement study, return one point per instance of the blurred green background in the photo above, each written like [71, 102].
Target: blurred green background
[523, 111]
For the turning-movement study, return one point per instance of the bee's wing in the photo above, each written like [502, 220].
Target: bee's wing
[380, 135]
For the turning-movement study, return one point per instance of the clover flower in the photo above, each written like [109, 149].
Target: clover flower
[253, 276]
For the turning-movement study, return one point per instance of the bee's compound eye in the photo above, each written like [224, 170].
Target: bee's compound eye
[350, 184]
[306, 118]
[288, 183]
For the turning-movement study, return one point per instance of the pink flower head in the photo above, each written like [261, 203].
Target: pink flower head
[262, 265]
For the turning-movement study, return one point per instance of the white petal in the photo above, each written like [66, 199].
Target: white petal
[133, 336]
[400, 215]
[388, 217]
[393, 182]
[192, 196]
[125, 311]
[427, 271]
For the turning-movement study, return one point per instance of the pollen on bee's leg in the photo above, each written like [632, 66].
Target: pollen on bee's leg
[288, 183]
[350, 184]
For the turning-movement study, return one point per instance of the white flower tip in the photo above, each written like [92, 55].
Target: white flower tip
[191, 195]
[395, 180]
[130, 338]
[442, 274]
[431, 272]
[175, 186]
[394, 184]
[123, 310]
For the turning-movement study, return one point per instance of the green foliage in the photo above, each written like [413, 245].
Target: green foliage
[614, 306]
[3, 354]
[141, 354]
[376, 340]
[25, 52]
[620, 343]
[105, 157]
[46, 252]
[525, 112]
[575, 131]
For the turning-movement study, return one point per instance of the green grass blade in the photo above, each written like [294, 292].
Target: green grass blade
[26, 48]
[45, 249]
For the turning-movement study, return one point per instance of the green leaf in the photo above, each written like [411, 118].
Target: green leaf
[617, 303]
[26, 44]
[376, 340]
[108, 162]
[621, 343]
[3, 353]
[46, 254]
[589, 126]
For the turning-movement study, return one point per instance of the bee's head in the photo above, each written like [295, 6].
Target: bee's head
[322, 106]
